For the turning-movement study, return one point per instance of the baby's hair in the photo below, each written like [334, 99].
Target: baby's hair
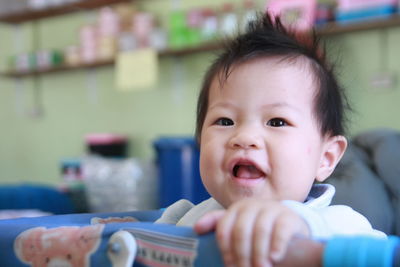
[266, 37]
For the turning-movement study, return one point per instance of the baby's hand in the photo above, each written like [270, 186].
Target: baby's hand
[253, 232]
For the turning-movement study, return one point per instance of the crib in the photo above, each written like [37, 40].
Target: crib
[102, 240]
[128, 239]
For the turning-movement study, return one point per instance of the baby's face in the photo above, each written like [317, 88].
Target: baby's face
[260, 137]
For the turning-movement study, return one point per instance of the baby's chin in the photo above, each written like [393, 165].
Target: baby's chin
[246, 195]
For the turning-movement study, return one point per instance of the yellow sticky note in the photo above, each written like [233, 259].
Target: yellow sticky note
[136, 70]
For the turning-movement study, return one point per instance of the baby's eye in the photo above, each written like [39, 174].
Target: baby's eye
[224, 122]
[277, 122]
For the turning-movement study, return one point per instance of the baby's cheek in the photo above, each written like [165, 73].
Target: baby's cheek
[309, 150]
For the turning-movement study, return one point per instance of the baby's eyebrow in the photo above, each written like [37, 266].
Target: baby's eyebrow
[279, 105]
[222, 105]
[268, 106]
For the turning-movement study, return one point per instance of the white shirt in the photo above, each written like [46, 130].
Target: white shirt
[324, 220]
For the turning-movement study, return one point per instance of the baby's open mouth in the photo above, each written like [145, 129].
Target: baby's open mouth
[246, 171]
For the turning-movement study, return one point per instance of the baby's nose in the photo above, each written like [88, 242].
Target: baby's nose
[246, 139]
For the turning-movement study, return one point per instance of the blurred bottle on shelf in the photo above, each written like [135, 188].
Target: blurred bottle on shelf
[88, 43]
[36, 60]
[194, 20]
[228, 25]
[46, 59]
[72, 55]
[249, 14]
[25, 62]
[209, 28]
[158, 38]
[126, 41]
[143, 25]
[108, 29]
[178, 29]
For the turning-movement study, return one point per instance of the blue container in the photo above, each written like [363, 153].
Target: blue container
[35, 196]
[178, 165]
[379, 12]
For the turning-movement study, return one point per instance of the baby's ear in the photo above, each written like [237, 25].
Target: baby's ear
[334, 148]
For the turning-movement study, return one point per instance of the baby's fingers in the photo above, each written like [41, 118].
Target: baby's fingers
[242, 237]
[285, 228]
[261, 239]
[224, 237]
[208, 222]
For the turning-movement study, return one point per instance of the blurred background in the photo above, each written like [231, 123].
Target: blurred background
[98, 98]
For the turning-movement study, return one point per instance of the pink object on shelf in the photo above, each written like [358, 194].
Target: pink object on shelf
[88, 34]
[108, 22]
[299, 14]
[88, 53]
[348, 5]
[143, 24]
[105, 139]
[195, 18]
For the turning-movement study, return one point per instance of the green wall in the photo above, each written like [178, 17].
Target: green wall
[45, 120]
[363, 55]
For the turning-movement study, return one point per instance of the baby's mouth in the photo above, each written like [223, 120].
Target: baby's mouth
[246, 171]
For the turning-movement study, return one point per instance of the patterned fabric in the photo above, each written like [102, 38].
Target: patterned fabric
[79, 240]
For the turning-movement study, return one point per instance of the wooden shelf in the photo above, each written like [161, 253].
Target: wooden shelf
[169, 52]
[29, 15]
[337, 28]
[18, 74]
[327, 30]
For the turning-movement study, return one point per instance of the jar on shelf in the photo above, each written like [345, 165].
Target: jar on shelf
[88, 54]
[125, 12]
[209, 27]
[108, 30]
[88, 43]
[194, 22]
[143, 25]
[228, 25]
[178, 29]
[88, 35]
[108, 22]
[48, 58]
[106, 48]
[72, 55]
[159, 39]
[25, 62]
[126, 41]
[249, 14]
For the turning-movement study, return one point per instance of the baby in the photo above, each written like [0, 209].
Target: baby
[269, 123]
